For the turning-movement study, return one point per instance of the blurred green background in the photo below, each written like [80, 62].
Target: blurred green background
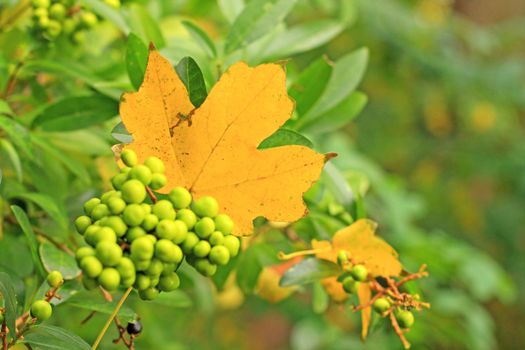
[440, 142]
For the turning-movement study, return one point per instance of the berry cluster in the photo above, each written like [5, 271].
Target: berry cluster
[53, 18]
[136, 240]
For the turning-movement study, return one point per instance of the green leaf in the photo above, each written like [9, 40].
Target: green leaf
[94, 301]
[175, 299]
[4, 108]
[308, 271]
[136, 59]
[345, 77]
[201, 38]
[121, 134]
[24, 223]
[337, 184]
[231, 8]
[338, 116]
[310, 85]
[54, 338]
[16, 257]
[48, 205]
[111, 14]
[12, 154]
[251, 263]
[56, 259]
[257, 18]
[8, 294]
[284, 137]
[320, 299]
[145, 26]
[73, 113]
[303, 37]
[191, 75]
[18, 134]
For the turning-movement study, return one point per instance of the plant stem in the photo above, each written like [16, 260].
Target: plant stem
[110, 319]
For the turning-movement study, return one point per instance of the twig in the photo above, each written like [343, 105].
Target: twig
[398, 331]
[88, 317]
[110, 319]
[151, 195]
[122, 331]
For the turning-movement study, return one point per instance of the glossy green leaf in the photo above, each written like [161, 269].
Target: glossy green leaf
[308, 271]
[136, 59]
[145, 26]
[201, 38]
[16, 258]
[111, 14]
[18, 134]
[231, 8]
[191, 75]
[121, 134]
[48, 205]
[8, 294]
[257, 18]
[337, 184]
[250, 264]
[46, 337]
[56, 259]
[94, 301]
[73, 113]
[13, 157]
[25, 224]
[175, 299]
[284, 137]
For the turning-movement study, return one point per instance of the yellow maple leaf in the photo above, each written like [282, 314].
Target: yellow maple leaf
[212, 150]
[364, 293]
[363, 246]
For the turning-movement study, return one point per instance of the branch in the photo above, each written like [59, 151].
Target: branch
[399, 331]
[151, 195]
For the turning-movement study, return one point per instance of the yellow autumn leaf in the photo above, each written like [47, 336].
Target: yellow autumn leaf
[363, 246]
[334, 289]
[268, 286]
[212, 150]
[364, 293]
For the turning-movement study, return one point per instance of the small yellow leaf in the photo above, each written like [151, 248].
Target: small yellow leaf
[268, 286]
[213, 151]
[334, 289]
[364, 293]
[362, 245]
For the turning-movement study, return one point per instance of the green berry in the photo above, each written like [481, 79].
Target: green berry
[166, 229]
[180, 232]
[146, 207]
[82, 223]
[89, 20]
[116, 205]
[168, 268]
[43, 22]
[166, 251]
[152, 238]
[219, 255]
[216, 238]
[149, 294]
[127, 282]
[158, 181]
[99, 234]
[109, 253]
[233, 244]
[118, 180]
[142, 265]
[55, 279]
[40, 12]
[164, 210]
[205, 267]
[142, 248]
[191, 240]
[126, 268]
[169, 282]
[100, 211]
[142, 173]
[70, 24]
[202, 249]
[116, 224]
[155, 268]
[57, 11]
[90, 205]
[134, 233]
[154, 280]
[129, 157]
[381, 305]
[41, 310]
[89, 283]
[41, 3]
[82, 252]
[224, 224]
[180, 197]
[350, 285]
[54, 28]
[188, 217]
[359, 273]
[150, 222]
[405, 318]
[204, 227]
[133, 215]
[108, 195]
[91, 266]
[342, 257]
[142, 282]
[155, 165]
[79, 37]
[205, 207]
[109, 279]
[133, 191]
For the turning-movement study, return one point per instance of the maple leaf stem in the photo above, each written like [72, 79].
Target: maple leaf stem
[284, 256]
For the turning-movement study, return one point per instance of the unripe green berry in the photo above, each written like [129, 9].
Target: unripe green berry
[216, 238]
[89, 20]
[204, 267]
[82, 223]
[57, 11]
[342, 258]
[127, 282]
[134, 233]
[41, 3]
[126, 268]
[90, 205]
[180, 232]
[224, 224]
[191, 240]
[40, 12]
[188, 217]
[79, 37]
[91, 266]
[169, 282]
[350, 285]
[165, 250]
[359, 273]
[202, 249]
[180, 197]
[43, 22]
[233, 244]
[142, 282]
[205, 207]
[155, 165]
[158, 181]
[219, 255]
[149, 294]
[168, 268]
[142, 265]
[89, 283]
[116, 224]
[204, 227]
[41, 310]
[142, 249]
[55, 279]
[108, 253]
[102, 234]
[153, 239]
[129, 157]
[166, 229]
[142, 173]
[154, 280]
[82, 252]
[381, 305]
[164, 210]
[54, 28]
[133, 191]
[116, 205]
[405, 318]
[109, 279]
[70, 24]
[100, 211]
[150, 222]
[133, 215]
[118, 180]
[155, 268]
[147, 208]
